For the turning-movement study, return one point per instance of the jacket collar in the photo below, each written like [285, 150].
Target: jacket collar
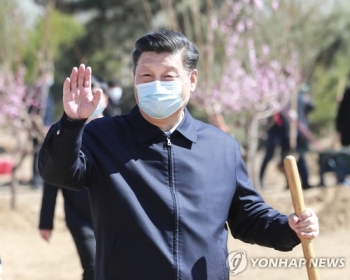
[145, 131]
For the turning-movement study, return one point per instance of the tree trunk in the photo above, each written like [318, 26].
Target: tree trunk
[19, 155]
[14, 187]
[252, 148]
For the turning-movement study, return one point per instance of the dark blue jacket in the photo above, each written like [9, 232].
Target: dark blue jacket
[160, 206]
[343, 118]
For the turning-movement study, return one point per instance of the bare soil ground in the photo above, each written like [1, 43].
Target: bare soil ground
[25, 255]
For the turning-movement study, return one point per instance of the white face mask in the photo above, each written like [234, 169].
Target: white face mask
[98, 111]
[100, 107]
[115, 94]
[160, 99]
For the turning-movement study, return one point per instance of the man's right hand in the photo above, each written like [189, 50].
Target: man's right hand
[78, 100]
[46, 234]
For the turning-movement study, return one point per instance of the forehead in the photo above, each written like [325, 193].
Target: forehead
[160, 60]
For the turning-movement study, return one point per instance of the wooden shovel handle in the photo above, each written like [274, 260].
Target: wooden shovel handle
[296, 192]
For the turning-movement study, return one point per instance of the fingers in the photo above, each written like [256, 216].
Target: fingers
[87, 77]
[66, 86]
[308, 217]
[306, 214]
[310, 232]
[306, 225]
[293, 218]
[73, 79]
[45, 234]
[97, 97]
[80, 77]
[78, 99]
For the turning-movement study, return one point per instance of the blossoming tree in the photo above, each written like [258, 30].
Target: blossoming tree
[24, 89]
[249, 83]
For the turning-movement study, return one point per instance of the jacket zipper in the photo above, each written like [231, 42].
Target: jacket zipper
[176, 209]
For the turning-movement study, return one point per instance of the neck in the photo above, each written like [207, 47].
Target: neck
[168, 123]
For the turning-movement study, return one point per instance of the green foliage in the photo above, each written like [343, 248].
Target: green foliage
[319, 34]
[105, 64]
[324, 89]
[51, 36]
[65, 30]
[12, 33]
[111, 28]
[327, 84]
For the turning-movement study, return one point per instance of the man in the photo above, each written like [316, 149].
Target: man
[305, 106]
[277, 135]
[162, 184]
[342, 124]
[342, 121]
[115, 93]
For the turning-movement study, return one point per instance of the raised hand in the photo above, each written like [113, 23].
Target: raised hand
[78, 100]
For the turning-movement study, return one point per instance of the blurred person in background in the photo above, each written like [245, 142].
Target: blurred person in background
[277, 138]
[342, 122]
[115, 93]
[305, 106]
[342, 125]
[76, 208]
[278, 135]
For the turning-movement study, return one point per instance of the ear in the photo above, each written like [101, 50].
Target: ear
[193, 79]
[135, 92]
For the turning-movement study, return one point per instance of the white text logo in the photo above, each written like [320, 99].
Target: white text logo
[236, 262]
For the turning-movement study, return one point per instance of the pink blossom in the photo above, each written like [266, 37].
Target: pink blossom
[255, 84]
[259, 3]
[275, 5]
[15, 97]
[265, 50]
[240, 27]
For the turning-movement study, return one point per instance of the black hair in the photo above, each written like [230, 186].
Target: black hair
[112, 83]
[169, 41]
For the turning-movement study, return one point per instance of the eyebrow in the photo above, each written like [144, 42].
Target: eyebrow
[167, 68]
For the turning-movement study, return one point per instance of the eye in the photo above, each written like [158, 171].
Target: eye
[170, 76]
[146, 77]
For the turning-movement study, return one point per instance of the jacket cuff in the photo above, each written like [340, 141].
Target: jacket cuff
[69, 123]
